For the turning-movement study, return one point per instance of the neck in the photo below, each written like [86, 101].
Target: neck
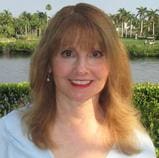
[80, 121]
[76, 113]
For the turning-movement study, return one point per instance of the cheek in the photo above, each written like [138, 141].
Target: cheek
[60, 69]
[102, 71]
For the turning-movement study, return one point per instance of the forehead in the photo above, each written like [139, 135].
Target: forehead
[78, 43]
[82, 36]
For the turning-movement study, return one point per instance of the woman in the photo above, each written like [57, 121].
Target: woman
[81, 89]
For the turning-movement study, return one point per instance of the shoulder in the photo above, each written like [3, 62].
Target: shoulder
[14, 140]
[12, 115]
[9, 127]
[145, 144]
[11, 123]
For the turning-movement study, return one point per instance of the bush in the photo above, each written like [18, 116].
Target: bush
[13, 95]
[21, 47]
[146, 99]
[18, 47]
[137, 48]
[2, 47]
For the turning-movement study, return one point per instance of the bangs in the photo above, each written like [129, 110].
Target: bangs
[77, 30]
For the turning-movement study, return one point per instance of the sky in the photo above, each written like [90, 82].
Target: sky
[109, 6]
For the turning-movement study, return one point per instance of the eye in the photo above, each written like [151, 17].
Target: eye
[96, 54]
[67, 53]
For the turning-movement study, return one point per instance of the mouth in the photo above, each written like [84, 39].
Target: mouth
[81, 83]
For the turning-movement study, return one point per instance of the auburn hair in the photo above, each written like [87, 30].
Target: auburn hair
[87, 25]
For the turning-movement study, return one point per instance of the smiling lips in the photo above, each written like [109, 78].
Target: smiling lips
[81, 83]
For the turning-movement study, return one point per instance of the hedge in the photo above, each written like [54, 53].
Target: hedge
[145, 98]
[18, 47]
[136, 48]
[13, 95]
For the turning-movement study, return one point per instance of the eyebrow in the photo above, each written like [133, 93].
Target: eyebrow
[74, 48]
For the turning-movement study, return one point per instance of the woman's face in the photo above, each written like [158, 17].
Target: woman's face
[79, 74]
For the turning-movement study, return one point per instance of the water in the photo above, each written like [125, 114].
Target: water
[17, 69]
[145, 70]
[14, 69]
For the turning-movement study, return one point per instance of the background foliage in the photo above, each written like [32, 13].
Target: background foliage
[145, 23]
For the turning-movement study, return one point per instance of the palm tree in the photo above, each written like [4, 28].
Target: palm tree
[38, 22]
[6, 23]
[132, 22]
[35, 24]
[42, 20]
[123, 18]
[48, 7]
[115, 20]
[152, 17]
[142, 15]
[18, 25]
[26, 18]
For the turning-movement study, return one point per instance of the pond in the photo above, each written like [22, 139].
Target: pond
[17, 69]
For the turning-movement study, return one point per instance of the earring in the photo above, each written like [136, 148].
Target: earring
[48, 78]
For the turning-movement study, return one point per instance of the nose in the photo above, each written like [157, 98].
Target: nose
[81, 66]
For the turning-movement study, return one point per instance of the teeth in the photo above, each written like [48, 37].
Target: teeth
[80, 82]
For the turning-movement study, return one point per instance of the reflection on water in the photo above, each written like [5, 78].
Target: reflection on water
[17, 69]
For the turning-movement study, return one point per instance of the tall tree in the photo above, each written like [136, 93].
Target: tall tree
[132, 23]
[38, 22]
[26, 17]
[142, 15]
[152, 18]
[6, 24]
[48, 7]
[123, 18]
[42, 20]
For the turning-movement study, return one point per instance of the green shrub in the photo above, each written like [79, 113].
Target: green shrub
[137, 48]
[2, 47]
[13, 95]
[21, 47]
[18, 47]
[146, 99]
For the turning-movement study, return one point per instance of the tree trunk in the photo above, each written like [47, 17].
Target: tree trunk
[131, 29]
[122, 29]
[26, 30]
[153, 23]
[141, 30]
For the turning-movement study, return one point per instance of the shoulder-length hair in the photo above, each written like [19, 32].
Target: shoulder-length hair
[87, 25]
